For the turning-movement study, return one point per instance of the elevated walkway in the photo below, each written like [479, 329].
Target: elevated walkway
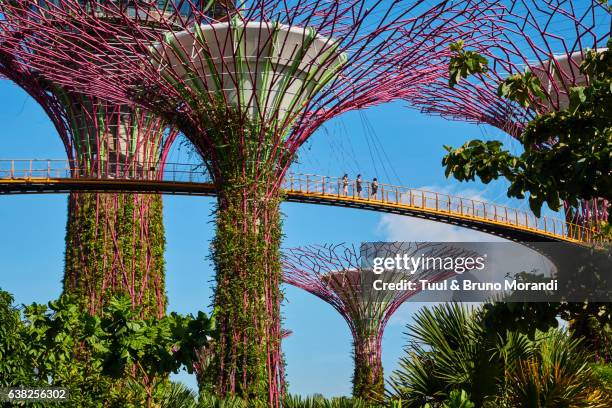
[57, 176]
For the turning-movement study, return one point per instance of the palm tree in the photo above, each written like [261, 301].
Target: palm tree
[449, 349]
[557, 373]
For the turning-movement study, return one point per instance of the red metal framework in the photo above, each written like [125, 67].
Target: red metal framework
[381, 52]
[548, 38]
[247, 83]
[110, 237]
[342, 276]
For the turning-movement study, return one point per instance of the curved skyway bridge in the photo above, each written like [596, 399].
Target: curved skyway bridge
[58, 176]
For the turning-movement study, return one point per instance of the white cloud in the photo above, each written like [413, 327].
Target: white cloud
[402, 228]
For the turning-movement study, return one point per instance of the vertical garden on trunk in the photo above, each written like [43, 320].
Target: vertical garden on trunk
[248, 86]
[114, 241]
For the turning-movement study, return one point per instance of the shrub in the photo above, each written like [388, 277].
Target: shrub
[450, 350]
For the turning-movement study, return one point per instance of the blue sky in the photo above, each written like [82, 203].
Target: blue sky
[318, 353]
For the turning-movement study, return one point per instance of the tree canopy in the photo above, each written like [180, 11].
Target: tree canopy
[567, 154]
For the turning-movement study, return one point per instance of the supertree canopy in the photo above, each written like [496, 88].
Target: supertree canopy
[547, 38]
[342, 275]
[114, 242]
[247, 83]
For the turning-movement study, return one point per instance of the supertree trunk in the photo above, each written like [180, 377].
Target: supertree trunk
[247, 94]
[246, 254]
[114, 242]
[115, 245]
[368, 379]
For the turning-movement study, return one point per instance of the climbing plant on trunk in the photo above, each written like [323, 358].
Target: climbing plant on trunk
[248, 84]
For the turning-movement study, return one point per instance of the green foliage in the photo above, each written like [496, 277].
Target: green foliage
[145, 350]
[116, 359]
[45, 349]
[321, 402]
[567, 154]
[176, 395]
[604, 231]
[115, 243]
[521, 88]
[13, 368]
[591, 322]
[604, 374]
[450, 349]
[464, 63]
[457, 399]
[520, 317]
[555, 374]
[486, 160]
[573, 168]
[212, 401]
[186, 400]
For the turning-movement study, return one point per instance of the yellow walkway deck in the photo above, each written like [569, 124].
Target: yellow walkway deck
[56, 176]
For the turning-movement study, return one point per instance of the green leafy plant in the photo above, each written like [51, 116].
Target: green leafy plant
[448, 350]
[145, 350]
[464, 63]
[521, 88]
[592, 322]
[567, 154]
[521, 317]
[451, 350]
[321, 402]
[457, 399]
[555, 374]
[115, 359]
[13, 362]
[604, 374]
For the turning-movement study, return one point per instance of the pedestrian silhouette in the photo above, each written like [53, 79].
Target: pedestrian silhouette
[374, 187]
[358, 186]
[345, 183]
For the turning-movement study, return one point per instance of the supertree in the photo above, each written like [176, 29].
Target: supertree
[343, 276]
[247, 84]
[114, 242]
[547, 38]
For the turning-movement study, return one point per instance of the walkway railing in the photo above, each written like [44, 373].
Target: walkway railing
[331, 189]
[64, 169]
[439, 203]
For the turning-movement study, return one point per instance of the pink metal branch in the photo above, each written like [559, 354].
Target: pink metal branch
[546, 37]
[343, 277]
[106, 139]
[382, 51]
[315, 269]
[101, 139]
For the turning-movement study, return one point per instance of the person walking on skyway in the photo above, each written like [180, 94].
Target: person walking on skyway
[358, 186]
[374, 187]
[345, 183]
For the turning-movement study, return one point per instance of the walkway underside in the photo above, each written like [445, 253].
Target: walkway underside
[36, 177]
